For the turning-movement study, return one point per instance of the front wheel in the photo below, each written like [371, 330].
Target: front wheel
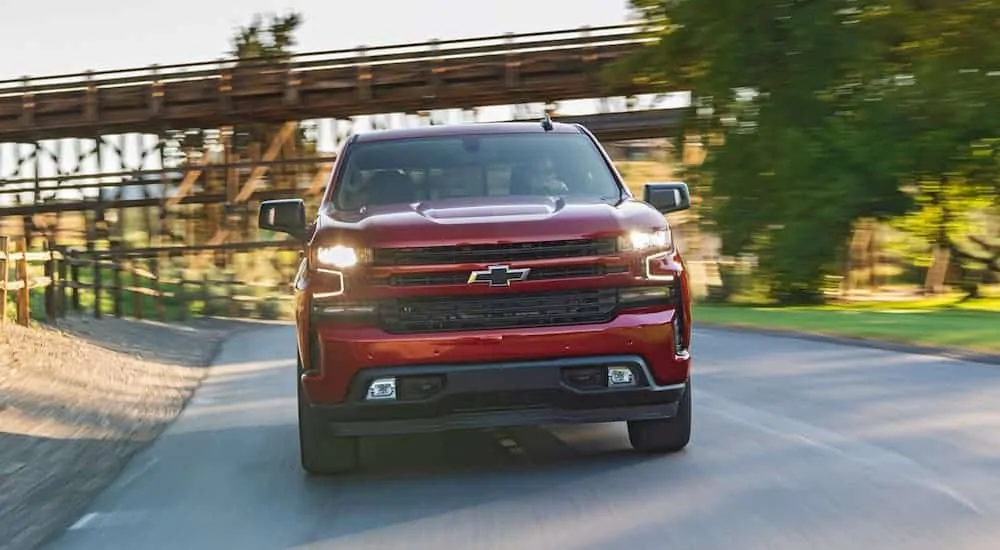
[664, 435]
[320, 451]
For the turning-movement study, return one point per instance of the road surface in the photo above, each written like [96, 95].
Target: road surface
[797, 445]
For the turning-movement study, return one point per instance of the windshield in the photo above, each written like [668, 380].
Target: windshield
[418, 169]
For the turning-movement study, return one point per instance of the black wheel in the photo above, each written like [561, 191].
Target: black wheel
[665, 435]
[320, 451]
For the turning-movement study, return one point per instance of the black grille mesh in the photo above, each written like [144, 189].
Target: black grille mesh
[461, 277]
[447, 313]
[493, 253]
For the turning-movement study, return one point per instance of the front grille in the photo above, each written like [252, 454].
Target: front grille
[492, 253]
[450, 313]
[461, 277]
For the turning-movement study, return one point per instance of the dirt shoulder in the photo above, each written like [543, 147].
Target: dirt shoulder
[78, 401]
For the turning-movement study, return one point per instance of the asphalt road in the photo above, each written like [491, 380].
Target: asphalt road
[796, 445]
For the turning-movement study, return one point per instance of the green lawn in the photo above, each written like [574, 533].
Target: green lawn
[973, 325]
[178, 304]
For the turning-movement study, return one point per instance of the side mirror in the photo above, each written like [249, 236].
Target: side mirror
[667, 197]
[284, 215]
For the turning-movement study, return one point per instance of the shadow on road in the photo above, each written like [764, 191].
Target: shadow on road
[237, 443]
[40, 495]
[188, 343]
[227, 473]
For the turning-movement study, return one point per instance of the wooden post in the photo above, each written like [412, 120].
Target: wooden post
[116, 274]
[205, 297]
[23, 295]
[62, 280]
[232, 282]
[154, 268]
[74, 275]
[4, 273]
[97, 278]
[873, 258]
[50, 289]
[136, 296]
[182, 297]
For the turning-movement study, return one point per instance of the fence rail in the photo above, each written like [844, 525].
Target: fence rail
[361, 55]
[463, 74]
[139, 283]
[86, 280]
[23, 282]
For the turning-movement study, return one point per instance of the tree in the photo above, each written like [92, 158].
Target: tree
[953, 126]
[266, 39]
[270, 36]
[828, 111]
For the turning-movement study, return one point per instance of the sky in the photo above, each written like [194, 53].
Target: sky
[46, 37]
[57, 36]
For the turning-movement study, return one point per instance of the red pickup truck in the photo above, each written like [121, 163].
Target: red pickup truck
[486, 275]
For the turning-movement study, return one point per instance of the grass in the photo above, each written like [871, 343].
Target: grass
[194, 299]
[944, 321]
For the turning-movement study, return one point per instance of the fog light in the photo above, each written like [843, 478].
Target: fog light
[381, 389]
[620, 376]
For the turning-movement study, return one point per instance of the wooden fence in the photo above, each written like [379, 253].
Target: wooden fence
[127, 282]
[23, 282]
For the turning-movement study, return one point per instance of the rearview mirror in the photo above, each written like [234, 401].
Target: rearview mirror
[284, 215]
[667, 197]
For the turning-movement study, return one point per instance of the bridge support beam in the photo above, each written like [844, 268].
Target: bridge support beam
[234, 211]
[181, 175]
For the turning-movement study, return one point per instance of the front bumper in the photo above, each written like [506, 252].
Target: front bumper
[490, 395]
[344, 352]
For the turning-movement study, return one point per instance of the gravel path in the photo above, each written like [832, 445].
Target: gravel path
[78, 401]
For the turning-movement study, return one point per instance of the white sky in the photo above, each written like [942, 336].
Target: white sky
[44, 37]
[39, 37]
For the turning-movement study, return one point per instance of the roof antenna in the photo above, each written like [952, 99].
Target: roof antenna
[546, 122]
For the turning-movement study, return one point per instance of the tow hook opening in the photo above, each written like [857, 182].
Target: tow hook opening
[603, 377]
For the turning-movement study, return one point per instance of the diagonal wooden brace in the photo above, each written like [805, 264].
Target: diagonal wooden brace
[190, 178]
[250, 185]
[253, 180]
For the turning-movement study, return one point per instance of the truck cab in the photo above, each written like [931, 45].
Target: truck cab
[486, 275]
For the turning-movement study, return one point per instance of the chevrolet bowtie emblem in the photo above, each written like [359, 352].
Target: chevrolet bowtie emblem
[499, 275]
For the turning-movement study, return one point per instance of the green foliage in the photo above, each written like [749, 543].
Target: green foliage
[268, 35]
[268, 38]
[271, 309]
[829, 111]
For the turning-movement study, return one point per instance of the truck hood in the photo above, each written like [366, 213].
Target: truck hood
[474, 221]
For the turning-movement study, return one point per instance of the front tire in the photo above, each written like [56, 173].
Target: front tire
[665, 435]
[321, 452]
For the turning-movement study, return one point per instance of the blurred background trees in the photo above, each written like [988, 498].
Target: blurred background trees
[268, 37]
[827, 117]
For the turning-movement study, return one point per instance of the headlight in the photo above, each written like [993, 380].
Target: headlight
[337, 256]
[645, 240]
